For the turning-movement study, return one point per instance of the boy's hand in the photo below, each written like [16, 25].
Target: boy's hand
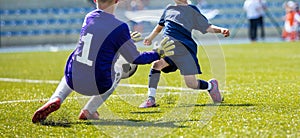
[225, 32]
[165, 48]
[147, 41]
[136, 36]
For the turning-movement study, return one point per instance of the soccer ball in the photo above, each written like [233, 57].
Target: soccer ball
[128, 70]
[125, 68]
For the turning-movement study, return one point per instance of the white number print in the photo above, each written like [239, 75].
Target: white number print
[86, 50]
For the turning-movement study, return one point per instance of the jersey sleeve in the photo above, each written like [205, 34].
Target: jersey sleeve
[162, 19]
[201, 22]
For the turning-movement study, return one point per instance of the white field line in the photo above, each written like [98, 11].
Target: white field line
[187, 90]
[119, 85]
[86, 97]
[29, 81]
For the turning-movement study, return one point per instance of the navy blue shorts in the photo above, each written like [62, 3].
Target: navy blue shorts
[184, 60]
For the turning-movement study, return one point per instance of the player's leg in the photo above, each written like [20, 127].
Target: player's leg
[211, 86]
[154, 77]
[252, 29]
[262, 27]
[284, 34]
[89, 111]
[293, 35]
[60, 94]
[62, 91]
[192, 82]
[189, 67]
[255, 28]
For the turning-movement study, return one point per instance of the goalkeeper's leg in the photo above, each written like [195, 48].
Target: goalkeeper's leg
[62, 91]
[89, 111]
[60, 94]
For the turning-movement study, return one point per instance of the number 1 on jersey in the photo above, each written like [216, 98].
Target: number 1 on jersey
[86, 50]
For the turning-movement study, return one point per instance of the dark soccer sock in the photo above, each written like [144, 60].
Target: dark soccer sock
[154, 77]
[202, 85]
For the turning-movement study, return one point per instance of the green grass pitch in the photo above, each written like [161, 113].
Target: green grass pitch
[262, 98]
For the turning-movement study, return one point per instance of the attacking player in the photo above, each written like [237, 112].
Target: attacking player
[178, 21]
[90, 68]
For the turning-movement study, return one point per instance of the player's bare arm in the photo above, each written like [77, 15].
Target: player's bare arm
[216, 29]
[153, 34]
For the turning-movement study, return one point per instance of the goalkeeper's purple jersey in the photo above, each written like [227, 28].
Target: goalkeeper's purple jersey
[180, 20]
[90, 67]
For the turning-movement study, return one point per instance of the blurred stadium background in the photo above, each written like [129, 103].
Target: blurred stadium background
[35, 22]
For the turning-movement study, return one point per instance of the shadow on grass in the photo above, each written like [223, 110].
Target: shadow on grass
[56, 123]
[116, 122]
[222, 104]
[137, 123]
[146, 112]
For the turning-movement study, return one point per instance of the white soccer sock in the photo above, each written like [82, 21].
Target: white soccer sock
[209, 86]
[96, 101]
[152, 92]
[62, 91]
[93, 104]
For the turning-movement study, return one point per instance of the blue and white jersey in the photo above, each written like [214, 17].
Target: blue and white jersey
[180, 20]
[90, 67]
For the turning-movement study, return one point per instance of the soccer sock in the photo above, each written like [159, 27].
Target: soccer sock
[154, 77]
[93, 104]
[96, 101]
[209, 86]
[151, 92]
[62, 91]
[204, 85]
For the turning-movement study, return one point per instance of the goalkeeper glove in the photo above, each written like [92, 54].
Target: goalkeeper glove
[165, 48]
[136, 36]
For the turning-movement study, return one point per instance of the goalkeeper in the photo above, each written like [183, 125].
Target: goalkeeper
[91, 69]
[178, 21]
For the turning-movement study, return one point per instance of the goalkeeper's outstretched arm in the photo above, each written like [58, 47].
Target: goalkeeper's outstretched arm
[132, 55]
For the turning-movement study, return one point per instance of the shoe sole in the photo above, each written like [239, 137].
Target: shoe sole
[41, 114]
[88, 118]
[155, 105]
[84, 116]
[215, 83]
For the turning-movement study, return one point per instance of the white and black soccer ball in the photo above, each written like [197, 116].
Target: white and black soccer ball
[125, 68]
